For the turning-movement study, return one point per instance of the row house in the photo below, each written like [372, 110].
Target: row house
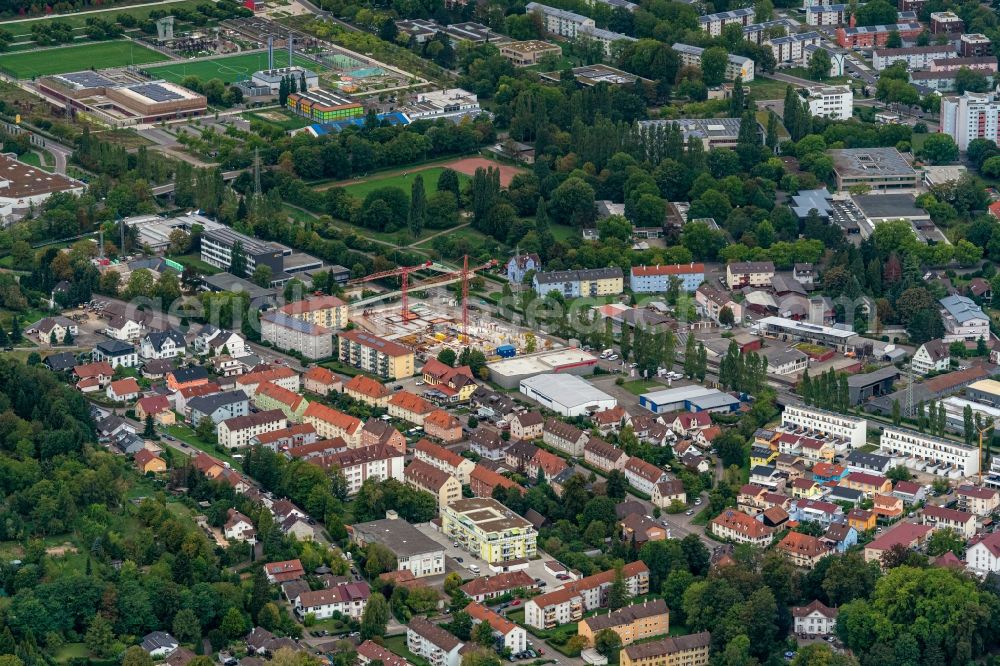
[565, 437]
[570, 602]
[825, 472]
[741, 528]
[379, 432]
[239, 431]
[643, 475]
[409, 407]
[445, 460]
[367, 390]
[815, 420]
[605, 457]
[805, 488]
[330, 423]
[930, 453]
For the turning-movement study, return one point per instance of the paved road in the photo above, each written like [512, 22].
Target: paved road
[89, 11]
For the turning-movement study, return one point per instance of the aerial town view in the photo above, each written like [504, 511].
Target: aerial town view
[475, 333]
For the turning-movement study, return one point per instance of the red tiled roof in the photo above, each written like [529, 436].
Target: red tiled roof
[668, 269]
[103, 368]
[125, 386]
[289, 398]
[329, 415]
[153, 404]
[322, 375]
[367, 386]
[408, 402]
[312, 304]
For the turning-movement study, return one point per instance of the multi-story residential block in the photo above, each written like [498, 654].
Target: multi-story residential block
[327, 311]
[483, 481]
[688, 650]
[377, 463]
[445, 460]
[876, 35]
[287, 332]
[736, 66]
[330, 423]
[711, 301]
[238, 432]
[978, 500]
[489, 530]
[632, 623]
[793, 48]
[490, 587]
[983, 554]
[565, 437]
[941, 517]
[564, 23]
[509, 635]
[852, 429]
[642, 475]
[414, 551]
[975, 45]
[932, 356]
[815, 619]
[749, 274]
[272, 396]
[429, 641]
[281, 376]
[714, 23]
[970, 116]
[116, 353]
[380, 432]
[915, 57]
[370, 651]
[409, 407]
[384, 358]
[217, 407]
[162, 344]
[321, 381]
[572, 284]
[741, 528]
[218, 341]
[826, 14]
[445, 488]
[604, 456]
[834, 102]
[964, 320]
[570, 602]
[441, 425]
[803, 550]
[526, 426]
[348, 599]
[946, 23]
[296, 435]
[365, 389]
[931, 454]
[658, 279]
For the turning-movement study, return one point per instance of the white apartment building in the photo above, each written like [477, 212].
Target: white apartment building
[834, 102]
[970, 116]
[792, 48]
[815, 619]
[714, 23]
[983, 554]
[826, 14]
[571, 601]
[349, 599]
[931, 455]
[964, 321]
[932, 356]
[238, 431]
[737, 66]
[378, 463]
[428, 640]
[560, 21]
[852, 429]
[749, 274]
[915, 57]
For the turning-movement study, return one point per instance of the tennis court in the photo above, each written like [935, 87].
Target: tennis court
[99, 55]
[227, 68]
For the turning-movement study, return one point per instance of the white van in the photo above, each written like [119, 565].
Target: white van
[474, 568]
[607, 352]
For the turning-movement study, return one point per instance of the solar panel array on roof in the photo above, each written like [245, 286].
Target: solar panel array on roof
[295, 324]
[156, 92]
[87, 79]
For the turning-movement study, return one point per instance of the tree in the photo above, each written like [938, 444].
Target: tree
[234, 623]
[939, 149]
[480, 657]
[418, 206]
[262, 276]
[618, 594]
[945, 540]
[378, 560]
[714, 61]
[238, 260]
[607, 642]
[819, 65]
[894, 41]
[99, 638]
[482, 634]
[375, 617]
[447, 356]
[573, 202]
[186, 626]
[899, 473]
[461, 625]
[616, 485]
[136, 656]
[149, 429]
[726, 317]
[205, 430]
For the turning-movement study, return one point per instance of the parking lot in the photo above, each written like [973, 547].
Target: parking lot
[536, 567]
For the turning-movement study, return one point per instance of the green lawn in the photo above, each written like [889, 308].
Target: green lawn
[22, 28]
[228, 68]
[640, 386]
[563, 232]
[397, 645]
[194, 261]
[283, 119]
[98, 55]
[403, 181]
[767, 88]
[71, 651]
[186, 435]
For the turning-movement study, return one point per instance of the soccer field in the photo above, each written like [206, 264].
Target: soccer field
[405, 183]
[98, 55]
[227, 68]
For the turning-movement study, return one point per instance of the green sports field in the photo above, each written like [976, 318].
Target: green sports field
[227, 68]
[98, 55]
[430, 176]
[21, 29]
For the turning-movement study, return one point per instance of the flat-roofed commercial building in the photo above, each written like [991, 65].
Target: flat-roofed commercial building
[489, 530]
[567, 395]
[529, 52]
[324, 106]
[791, 330]
[217, 247]
[415, 552]
[881, 169]
[509, 372]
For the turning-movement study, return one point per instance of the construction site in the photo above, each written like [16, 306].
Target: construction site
[427, 317]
